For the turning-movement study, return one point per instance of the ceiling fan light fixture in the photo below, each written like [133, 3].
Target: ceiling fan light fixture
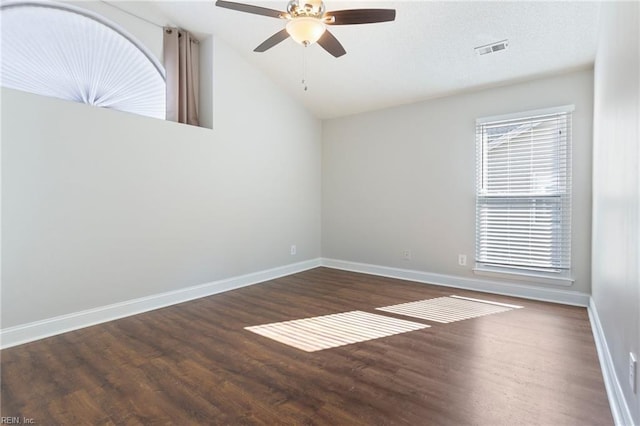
[306, 30]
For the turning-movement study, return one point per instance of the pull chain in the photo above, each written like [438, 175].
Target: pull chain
[304, 69]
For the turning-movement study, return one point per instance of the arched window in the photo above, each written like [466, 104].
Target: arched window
[66, 52]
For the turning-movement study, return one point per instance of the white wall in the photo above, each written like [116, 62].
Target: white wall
[101, 206]
[207, 82]
[616, 190]
[404, 177]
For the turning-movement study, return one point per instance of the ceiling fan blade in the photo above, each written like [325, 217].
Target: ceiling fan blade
[256, 10]
[331, 44]
[272, 41]
[362, 16]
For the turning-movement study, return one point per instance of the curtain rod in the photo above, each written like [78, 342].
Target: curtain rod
[132, 14]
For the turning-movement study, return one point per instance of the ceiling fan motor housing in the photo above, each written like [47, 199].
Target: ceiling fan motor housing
[306, 8]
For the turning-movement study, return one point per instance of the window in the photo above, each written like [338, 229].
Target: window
[66, 52]
[523, 197]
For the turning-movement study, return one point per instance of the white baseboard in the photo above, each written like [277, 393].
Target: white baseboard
[486, 286]
[25, 333]
[619, 408]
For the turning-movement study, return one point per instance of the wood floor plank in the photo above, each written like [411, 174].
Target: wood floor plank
[194, 363]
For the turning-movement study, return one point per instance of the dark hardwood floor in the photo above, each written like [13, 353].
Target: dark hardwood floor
[195, 364]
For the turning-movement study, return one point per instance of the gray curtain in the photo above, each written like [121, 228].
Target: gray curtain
[182, 66]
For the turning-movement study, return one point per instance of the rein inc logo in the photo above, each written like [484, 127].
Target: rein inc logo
[17, 421]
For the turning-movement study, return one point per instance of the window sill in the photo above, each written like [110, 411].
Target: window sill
[531, 276]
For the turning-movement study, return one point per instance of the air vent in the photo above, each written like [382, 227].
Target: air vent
[493, 47]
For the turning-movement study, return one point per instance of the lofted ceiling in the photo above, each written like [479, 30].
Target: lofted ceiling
[427, 52]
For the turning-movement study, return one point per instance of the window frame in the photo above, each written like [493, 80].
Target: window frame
[528, 273]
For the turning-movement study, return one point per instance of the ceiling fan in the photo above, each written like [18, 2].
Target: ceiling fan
[308, 20]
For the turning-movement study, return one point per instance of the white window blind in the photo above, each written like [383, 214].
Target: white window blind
[66, 52]
[523, 202]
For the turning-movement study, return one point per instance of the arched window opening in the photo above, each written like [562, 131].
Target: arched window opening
[66, 52]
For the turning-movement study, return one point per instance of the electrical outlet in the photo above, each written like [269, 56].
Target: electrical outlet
[462, 259]
[294, 250]
[633, 365]
[406, 254]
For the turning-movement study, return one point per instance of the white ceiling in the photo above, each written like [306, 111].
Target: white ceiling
[427, 52]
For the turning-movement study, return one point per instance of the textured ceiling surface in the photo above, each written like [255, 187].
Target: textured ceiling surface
[427, 52]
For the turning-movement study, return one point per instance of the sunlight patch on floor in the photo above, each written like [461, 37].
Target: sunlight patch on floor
[330, 331]
[448, 309]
